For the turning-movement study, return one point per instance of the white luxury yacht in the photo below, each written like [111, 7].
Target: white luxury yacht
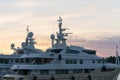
[62, 62]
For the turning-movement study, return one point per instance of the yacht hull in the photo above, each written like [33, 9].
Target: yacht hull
[95, 75]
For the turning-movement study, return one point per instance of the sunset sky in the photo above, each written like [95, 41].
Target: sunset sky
[95, 24]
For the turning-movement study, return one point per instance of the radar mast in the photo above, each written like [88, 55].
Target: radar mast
[60, 40]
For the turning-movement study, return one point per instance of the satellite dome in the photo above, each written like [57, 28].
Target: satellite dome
[12, 45]
[23, 44]
[52, 36]
[30, 34]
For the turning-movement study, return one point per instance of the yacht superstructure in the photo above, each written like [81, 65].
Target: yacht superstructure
[61, 61]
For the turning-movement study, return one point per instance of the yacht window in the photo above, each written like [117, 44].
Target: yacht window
[92, 52]
[71, 61]
[27, 60]
[69, 51]
[93, 61]
[44, 72]
[36, 71]
[41, 60]
[99, 61]
[25, 72]
[1, 61]
[20, 79]
[81, 61]
[86, 70]
[21, 60]
[16, 60]
[11, 61]
[77, 71]
[34, 78]
[62, 71]
[56, 50]
[6, 61]
[92, 69]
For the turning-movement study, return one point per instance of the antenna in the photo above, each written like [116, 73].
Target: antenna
[117, 55]
[60, 20]
[66, 34]
[27, 34]
[60, 24]
[27, 29]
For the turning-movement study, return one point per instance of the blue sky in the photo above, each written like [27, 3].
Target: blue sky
[94, 23]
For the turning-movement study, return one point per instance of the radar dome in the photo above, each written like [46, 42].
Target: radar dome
[52, 36]
[23, 44]
[30, 34]
[12, 46]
